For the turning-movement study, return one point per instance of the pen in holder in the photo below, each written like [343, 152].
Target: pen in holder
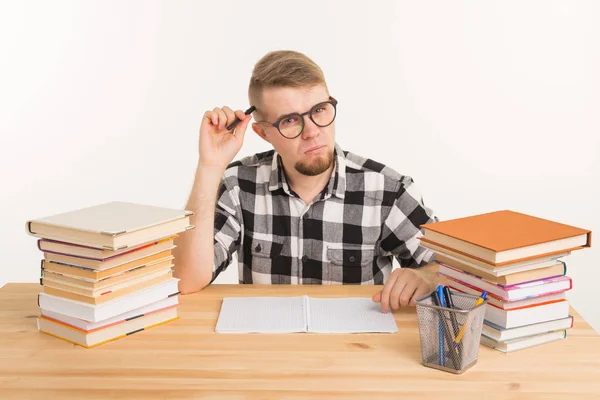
[450, 326]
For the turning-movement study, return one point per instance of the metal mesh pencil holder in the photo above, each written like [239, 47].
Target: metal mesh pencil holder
[450, 337]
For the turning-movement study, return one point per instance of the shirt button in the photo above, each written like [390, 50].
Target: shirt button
[304, 259]
[352, 259]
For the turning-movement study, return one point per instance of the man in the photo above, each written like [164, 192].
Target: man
[306, 212]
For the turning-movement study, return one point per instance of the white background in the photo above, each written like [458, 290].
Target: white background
[487, 105]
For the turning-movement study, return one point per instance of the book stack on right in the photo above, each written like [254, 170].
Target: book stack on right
[518, 259]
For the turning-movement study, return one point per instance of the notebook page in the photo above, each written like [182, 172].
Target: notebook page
[262, 315]
[348, 315]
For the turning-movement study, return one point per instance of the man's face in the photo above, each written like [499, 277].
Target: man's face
[311, 153]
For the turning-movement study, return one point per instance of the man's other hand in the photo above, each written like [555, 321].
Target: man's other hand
[403, 287]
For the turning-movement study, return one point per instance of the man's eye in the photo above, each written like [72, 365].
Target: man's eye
[320, 109]
[288, 121]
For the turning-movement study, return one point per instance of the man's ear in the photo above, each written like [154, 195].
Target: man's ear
[260, 131]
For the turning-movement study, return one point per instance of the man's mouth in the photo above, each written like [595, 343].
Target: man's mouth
[315, 149]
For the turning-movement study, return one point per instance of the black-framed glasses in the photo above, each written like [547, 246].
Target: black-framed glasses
[291, 126]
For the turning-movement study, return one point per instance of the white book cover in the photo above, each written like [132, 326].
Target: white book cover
[528, 315]
[523, 343]
[113, 225]
[113, 217]
[113, 332]
[90, 326]
[501, 334]
[303, 314]
[112, 308]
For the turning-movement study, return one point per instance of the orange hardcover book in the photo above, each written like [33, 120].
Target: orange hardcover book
[503, 237]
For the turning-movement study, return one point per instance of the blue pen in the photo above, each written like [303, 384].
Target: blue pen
[440, 295]
[442, 332]
[440, 292]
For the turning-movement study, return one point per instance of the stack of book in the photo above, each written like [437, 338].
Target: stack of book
[106, 271]
[515, 258]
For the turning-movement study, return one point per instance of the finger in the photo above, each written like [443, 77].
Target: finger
[222, 118]
[385, 293]
[229, 114]
[377, 297]
[240, 128]
[241, 115]
[212, 117]
[408, 292]
[397, 292]
[421, 291]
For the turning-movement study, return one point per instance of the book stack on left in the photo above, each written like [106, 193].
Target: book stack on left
[106, 270]
[517, 259]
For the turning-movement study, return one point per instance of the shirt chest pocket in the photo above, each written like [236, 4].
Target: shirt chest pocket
[350, 264]
[262, 257]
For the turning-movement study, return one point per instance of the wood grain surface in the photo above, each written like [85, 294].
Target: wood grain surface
[186, 359]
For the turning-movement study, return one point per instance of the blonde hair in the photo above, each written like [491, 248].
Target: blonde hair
[283, 68]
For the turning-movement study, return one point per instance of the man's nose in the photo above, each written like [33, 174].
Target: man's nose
[310, 128]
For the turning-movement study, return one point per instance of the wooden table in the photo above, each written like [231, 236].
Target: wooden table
[187, 359]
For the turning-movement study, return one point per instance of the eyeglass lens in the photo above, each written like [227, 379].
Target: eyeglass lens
[322, 115]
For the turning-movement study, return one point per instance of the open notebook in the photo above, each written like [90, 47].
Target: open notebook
[303, 314]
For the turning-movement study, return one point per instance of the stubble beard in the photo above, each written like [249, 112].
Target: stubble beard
[317, 167]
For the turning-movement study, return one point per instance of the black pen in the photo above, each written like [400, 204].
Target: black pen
[450, 304]
[237, 120]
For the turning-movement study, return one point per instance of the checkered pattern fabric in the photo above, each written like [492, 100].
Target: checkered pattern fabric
[349, 234]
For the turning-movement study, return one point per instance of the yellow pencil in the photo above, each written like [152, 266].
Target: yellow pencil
[464, 328]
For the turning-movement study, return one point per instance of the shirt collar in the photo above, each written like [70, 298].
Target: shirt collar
[336, 185]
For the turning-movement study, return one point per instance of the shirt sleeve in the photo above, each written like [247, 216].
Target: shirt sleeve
[401, 228]
[227, 229]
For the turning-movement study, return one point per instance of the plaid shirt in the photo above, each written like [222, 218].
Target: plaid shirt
[366, 215]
